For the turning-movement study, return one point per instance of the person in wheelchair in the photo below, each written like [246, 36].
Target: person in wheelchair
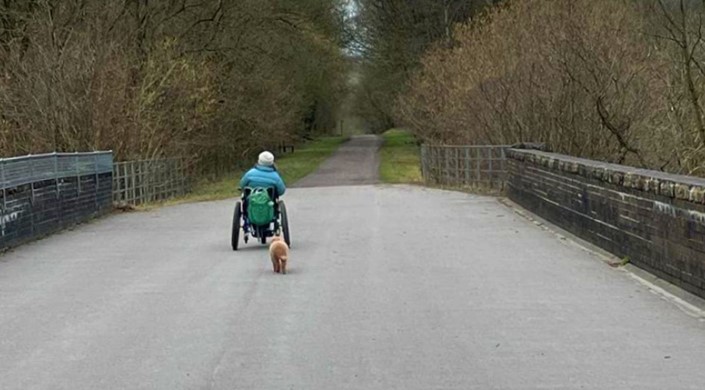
[264, 174]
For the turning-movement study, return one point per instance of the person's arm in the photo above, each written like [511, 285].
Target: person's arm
[244, 181]
[281, 188]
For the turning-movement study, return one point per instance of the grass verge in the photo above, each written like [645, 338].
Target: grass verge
[400, 160]
[292, 167]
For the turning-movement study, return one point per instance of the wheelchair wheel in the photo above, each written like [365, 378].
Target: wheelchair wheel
[237, 217]
[262, 235]
[285, 223]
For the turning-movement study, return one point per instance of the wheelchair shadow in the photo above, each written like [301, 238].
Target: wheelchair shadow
[256, 246]
[252, 247]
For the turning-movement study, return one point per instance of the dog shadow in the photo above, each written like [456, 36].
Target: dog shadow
[289, 271]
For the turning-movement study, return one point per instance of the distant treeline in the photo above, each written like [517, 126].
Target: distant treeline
[617, 80]
[211, 80]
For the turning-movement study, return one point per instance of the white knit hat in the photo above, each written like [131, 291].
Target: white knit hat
[266, 159]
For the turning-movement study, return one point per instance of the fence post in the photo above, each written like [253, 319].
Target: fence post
[459, 164]
[503, 165]
[116, 182]
[77, 170]
[60, 212]
[142, 187]
[147, 177]
[466, 165]
[133, 178]
[168, 176]
[423, 163]
[436, 167]
[429, 164]
[447, 165]
[184, 184]
[4, 196]
[161, 179]
[490, 150]
[4, 192]
[154, 175]
[178, 174]
[172, 177]
[142, 174]
[97, 182]
[122, 175]
[31, 198]
[478, 161]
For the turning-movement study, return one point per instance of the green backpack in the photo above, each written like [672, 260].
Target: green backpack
[260, 208]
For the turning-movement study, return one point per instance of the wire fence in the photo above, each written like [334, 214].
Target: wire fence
[138, 182]
[469, 165]
[44, 193]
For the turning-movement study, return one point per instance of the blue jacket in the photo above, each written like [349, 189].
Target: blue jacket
[262, 176]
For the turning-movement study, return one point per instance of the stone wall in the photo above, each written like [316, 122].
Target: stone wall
[654, 219]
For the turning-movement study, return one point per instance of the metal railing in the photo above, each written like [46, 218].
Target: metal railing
[44, 193]
[467, 165]
[16, 171]
[138, 182]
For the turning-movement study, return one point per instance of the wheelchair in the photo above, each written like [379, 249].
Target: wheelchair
[277, 226]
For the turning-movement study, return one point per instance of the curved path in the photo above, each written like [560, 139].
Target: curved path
[389, 288]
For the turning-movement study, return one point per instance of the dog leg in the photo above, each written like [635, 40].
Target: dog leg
[283, 266]
[275, 264]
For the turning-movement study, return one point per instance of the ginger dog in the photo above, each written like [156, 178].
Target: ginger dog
[279, 253]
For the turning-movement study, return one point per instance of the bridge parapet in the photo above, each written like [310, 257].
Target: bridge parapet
[654, 219]
[41, 194]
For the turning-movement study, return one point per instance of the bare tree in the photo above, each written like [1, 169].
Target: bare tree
[210, 79]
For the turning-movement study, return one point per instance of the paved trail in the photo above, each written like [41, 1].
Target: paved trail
[389, 288]
[355, 163]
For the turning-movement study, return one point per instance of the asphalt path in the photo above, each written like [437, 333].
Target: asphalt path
[389, 287]
[356, 162]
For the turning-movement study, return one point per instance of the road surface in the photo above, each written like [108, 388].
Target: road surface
[390, 287]
[355, 163]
